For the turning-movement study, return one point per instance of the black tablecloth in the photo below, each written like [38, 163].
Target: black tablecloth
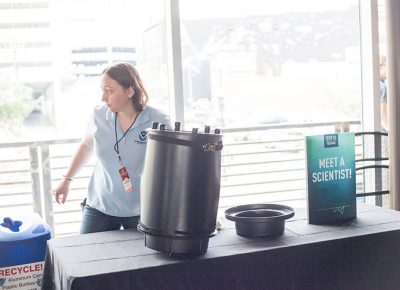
[363, 253]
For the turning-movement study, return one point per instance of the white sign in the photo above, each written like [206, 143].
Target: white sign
[24, 277]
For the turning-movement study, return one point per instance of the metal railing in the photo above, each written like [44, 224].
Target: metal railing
[259, 164]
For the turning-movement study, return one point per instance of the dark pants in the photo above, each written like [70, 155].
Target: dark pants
[95, 221]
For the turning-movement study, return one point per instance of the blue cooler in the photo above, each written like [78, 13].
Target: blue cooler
[23, 241]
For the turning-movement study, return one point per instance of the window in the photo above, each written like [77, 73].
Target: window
[254, 63]
[53, 52]
[257, 63]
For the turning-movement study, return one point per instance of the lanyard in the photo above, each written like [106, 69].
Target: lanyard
[116, 135]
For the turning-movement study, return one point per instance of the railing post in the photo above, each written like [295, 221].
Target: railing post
[378, 172]
[342, 127]
[48, 198]
[35, 176]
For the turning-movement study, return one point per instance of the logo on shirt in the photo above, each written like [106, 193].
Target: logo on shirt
[142, 137]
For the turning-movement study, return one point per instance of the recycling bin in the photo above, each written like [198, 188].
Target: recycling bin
[23, 241]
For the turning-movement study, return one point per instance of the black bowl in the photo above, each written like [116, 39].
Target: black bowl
[259, 220]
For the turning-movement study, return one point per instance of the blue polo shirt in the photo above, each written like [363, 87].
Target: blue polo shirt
[106, 192]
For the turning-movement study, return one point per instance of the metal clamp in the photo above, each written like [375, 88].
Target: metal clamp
[211, 147]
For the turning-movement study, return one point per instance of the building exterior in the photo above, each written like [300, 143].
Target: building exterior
[37, 50]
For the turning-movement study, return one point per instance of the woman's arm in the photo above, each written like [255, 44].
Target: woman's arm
[79, 160]
[384, 116]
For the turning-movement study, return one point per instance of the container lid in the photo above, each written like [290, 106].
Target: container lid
[22, 227]
[259, 220]
[259, 213]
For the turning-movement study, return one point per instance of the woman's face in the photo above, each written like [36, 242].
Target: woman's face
[115, 96]
[382, 71]
[382, 67]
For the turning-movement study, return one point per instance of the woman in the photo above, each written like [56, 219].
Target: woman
[116, 134]
[383, 94]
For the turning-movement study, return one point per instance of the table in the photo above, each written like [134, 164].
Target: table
[363, 253]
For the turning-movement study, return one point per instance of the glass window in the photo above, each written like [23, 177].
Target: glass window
[383, 95]
[52, 54]
[257, 63]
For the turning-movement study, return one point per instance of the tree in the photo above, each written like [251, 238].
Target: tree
[15, 105]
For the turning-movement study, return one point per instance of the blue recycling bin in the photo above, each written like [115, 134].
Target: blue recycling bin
[23, 241]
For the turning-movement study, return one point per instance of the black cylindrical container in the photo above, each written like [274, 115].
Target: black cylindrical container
[180, 190]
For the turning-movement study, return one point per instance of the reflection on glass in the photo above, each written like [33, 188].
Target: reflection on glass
[383, 96]
[254, 64]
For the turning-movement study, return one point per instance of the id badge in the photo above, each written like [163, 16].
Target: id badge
[125, 179]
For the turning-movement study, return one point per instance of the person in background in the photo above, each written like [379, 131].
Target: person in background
[116, 134]
[383, 93]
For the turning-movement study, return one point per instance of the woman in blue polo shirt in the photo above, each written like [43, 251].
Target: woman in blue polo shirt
[116, 134]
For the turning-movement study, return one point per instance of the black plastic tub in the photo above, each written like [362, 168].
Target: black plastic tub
[180, 190]
[259, 220]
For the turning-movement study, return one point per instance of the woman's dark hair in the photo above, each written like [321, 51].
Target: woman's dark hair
[127, 76]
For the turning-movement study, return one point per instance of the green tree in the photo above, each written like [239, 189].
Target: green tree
[15, 105]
